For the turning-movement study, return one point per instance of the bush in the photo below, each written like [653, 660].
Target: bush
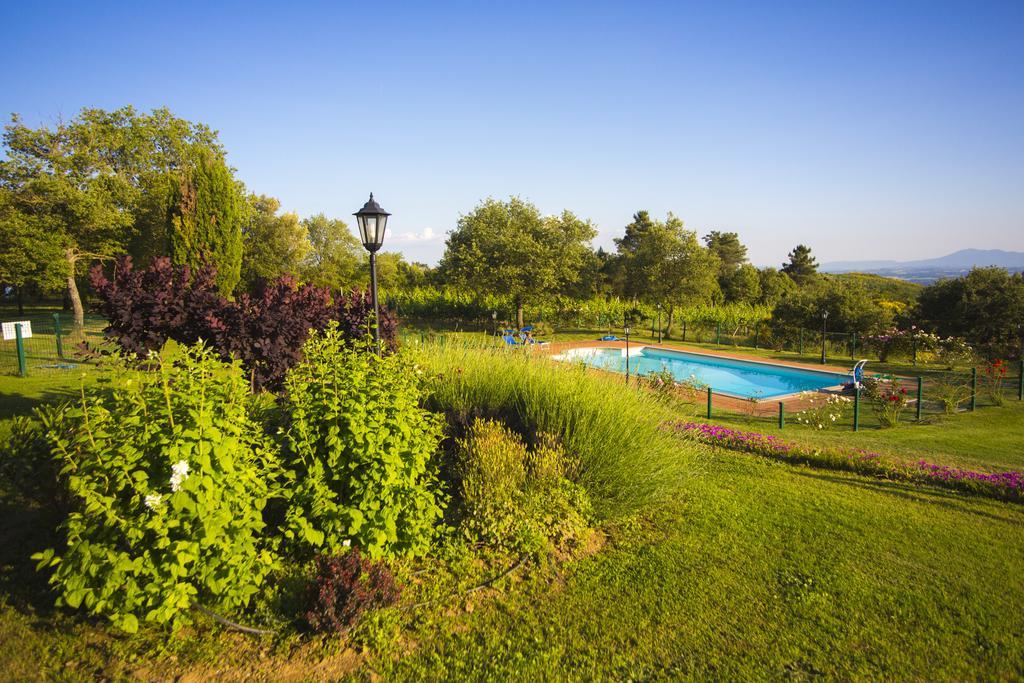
[994, 375]
[168, 475]
[360, 448]
[264, 329]
[624, 460]
[345, 586]
[951, 390]
[518, 498]
[888, 399]
[822, 411]
[27, 466]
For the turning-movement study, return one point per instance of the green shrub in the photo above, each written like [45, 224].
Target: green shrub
[951, 390]
[518, 498]
[624, 460]
[360, 449]
[168, 475]
[888, 399]
[28, 469]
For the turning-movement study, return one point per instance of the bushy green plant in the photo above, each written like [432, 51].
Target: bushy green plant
[168, 474]
[360, 448]
[624, 460]
[27, 466]
[888, 399]
[822, 411]
[515, 497]
[993, 376]
[951, 390]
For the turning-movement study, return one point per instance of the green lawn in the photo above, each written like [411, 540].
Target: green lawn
[752, 569]
[761, 570]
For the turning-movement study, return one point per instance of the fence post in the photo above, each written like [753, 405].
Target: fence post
[914, 362]
[57, 333]
[920, 397]
[1020, 383]
[709, 403]
[782, 414]
[20, 342]
[684, 330]
[974, 388]
[856, 408]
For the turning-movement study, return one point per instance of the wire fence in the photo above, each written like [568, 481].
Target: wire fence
[46, 343]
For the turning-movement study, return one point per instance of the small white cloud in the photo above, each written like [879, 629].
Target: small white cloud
[426, 236]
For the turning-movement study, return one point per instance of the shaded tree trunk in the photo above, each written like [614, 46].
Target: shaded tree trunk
[519, 313]
[76, 299]
[20, 294]
[668, 330]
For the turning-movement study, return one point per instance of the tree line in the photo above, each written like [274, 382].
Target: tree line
[112, 183]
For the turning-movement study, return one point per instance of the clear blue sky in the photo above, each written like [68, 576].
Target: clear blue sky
[866, 130]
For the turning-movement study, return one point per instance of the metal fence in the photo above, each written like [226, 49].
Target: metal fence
[45, 343]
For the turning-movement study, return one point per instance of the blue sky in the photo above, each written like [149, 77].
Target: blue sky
[866, 130]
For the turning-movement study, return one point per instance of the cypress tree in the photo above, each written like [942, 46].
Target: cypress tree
[205, 219]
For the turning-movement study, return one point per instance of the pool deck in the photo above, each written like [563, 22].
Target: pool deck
[764, 407]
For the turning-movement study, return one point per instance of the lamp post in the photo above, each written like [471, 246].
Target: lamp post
[494, 322]
[659, 323]
[626, 328]
[824, 324]
[372, 221]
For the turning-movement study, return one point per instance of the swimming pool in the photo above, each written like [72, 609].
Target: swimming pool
[742, 378]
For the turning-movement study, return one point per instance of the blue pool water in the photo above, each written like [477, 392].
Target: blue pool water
[741, 378]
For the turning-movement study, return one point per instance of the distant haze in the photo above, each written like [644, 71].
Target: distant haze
[929, 270]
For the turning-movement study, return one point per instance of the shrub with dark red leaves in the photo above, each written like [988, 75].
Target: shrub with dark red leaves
[145, 308]
[265, 329]
[346, 586]
[354, 310]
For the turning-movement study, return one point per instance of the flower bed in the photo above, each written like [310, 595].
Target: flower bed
[1006, 485]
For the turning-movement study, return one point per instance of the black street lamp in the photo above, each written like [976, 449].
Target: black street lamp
[824, 323]
[494, 322]
[372, 221]
[626, 328]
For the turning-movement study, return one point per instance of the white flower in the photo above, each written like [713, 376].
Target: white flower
[179, 473]
[153, 500]
[346, 543]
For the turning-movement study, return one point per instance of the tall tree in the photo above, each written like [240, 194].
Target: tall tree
[742, 284]
[801, 266]
[774, 285]
[206, 214]
[510, 248]
[662, 262]
[335, 257]
[727, 246]
[84, 182]
[986, 307]
[272, 244]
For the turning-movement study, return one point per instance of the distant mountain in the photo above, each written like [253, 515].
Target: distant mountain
[929, 270]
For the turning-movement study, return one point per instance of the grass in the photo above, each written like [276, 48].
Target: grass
[604, 426]
[765, 571]
[748, 569]
[988, 439]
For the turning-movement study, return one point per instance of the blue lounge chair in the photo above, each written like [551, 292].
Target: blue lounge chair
[510, 340]
[609, 337]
